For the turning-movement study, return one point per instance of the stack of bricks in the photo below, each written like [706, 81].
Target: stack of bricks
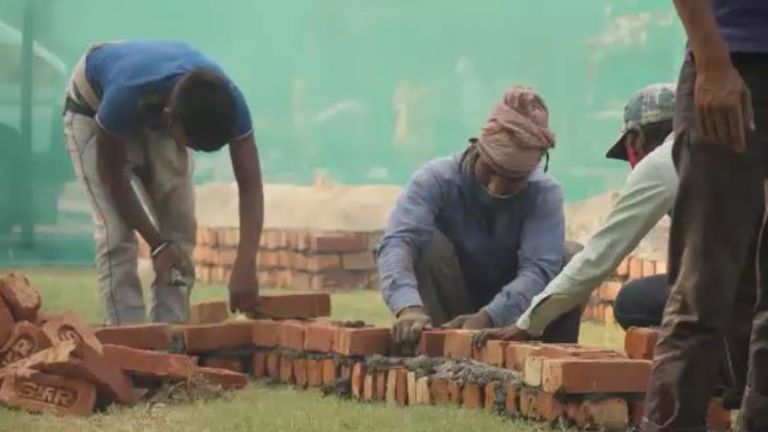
[600, 305]
[290, 258]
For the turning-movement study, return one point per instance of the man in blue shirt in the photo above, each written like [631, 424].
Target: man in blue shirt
[133, 112]
[476, 235]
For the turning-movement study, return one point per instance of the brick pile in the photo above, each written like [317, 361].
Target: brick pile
[290, 258]
[600, 306]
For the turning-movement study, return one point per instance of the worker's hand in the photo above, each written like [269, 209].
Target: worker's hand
[408, 326]
[723, 105]
[244, 287]
[509, 333]
[476, 321]
[168, 255]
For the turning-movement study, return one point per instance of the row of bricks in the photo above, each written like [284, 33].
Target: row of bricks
[636, 267]
[304, 281]
[269, 260]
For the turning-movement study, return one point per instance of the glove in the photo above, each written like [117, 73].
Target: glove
[474, 321]
[409, 324]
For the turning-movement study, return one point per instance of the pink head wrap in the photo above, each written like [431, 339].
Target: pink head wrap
[517, 133]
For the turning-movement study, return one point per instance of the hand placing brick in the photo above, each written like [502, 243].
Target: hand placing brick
[37, 392]
[153, 365]
[22, 299]
[363, 341]
[208, 312]
[141, 336]
[26, 339]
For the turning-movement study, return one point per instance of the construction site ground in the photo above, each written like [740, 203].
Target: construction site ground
[261, 407]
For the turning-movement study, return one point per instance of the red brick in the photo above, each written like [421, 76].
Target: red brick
[203, 273]
[423, 392]
[329, 371]
[649, 268]
[636, 412]
[273, 365]
[431, 343]
[274, 239]
[209, 312]
[223, 378]
[320, 263]
[363, 341]
[299, 305]
[37, 392]
[300, 372]
[207, 236]
[595, 376]
[217, 337]
[454, 391]
[411, 389]
[641, 342]
[314, 373]
[533, 370]
[489, 391]
[548, 407]
[512, 399]
[606, 414]
[291, 335]
[320, 337]
[718, 418]
[516, 353]
[358, 379]
[438, 390]
[260, 365]
[142, 336]
[381, 388]
[458, 344]
[528, 401]
[69, 327]
[370, 387]
[268, 260]
[472, 396]
[401, 386]
[635, 268]
[623, 269]
[149, 364]
[286, 370]
[609, 290]
[20, 297]
[6, 323]
[26, 339]
[224, 257]
[493, 353]
[338, 242]
[265, 333]
[229, 363]
[358, 261]
[661, 267]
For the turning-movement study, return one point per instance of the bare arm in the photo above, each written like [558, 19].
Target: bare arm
[703, 35]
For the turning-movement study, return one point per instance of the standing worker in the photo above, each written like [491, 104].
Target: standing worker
[133, 111]
[476, 235]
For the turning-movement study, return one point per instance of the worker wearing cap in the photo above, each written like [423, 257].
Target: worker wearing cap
[476, 235]
[133, 112]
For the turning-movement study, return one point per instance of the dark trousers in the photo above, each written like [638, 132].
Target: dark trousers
[714, 266]
[445, 294]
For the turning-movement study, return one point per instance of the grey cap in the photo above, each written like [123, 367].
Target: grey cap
[652, 104]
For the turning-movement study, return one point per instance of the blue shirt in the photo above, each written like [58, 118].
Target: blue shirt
[506, 259]
[743, 24]
[134, 80]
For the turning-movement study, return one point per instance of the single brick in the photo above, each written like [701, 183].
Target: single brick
[401, 386]
[438, 390]
[217, 337]
[337, 242]
[489, 391]
[533, 370]
[69, 327]
[208, 312]
[358, 379]
[291, 335]
[229, 363]
[223, 378]
[527, 402]
[609, 290]
[299, 306]
[314, 373]
[300, 373]
[25, 340]
[37, 392]
[329, 371]
[260, 365]
[623, 269]
[149, 364]
[595, 376]
[472, 396]
[512, 398]
[321, 263]
[636, 412]
[286, 370]
[273, 365]
[22, 299]
[458, 344]
[661, 267]
[454, 391]
[141, 336]
[423, 391]
[516, 353]
[320, 337]
[370, 387]
[493, 353]
[649, 268]
[411, 387]
[635, 268]
[548, 407]
[358, 261]
[640, 343]
[431, 343]
[391, 387]
[606, 414]
[718, 418]
[363, 341]
[6, 323]
[380, 384]
[266, 333]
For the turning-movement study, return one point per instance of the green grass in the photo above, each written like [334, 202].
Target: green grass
[260, 408]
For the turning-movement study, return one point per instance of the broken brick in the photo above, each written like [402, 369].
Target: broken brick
[595, 376]
[69, 327]
[20, 297]
[265, 333]
[300, 372]
[358, 379]
[25, 340]
[37, 392]
[286, 370]
[259, 365]
[458, 344]
[298, 306]
[291, 335]
[314, 373]
[223, 378]
[423, 391]
[217, 337]
[472, 396]
[454, 391]
[329, 371]
[273, 365]
[6, 323]
[149, 364]
[229, 363]
[605, 414]
[208, 312]
[640, 343]
[493, 353]
[320, 337]
[438, 390]
[431, 343]
[363, 341]
[141, 336]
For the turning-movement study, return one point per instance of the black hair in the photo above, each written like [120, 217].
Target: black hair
[205, 107]
[653, 134]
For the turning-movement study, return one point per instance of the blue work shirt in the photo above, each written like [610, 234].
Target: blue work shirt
[134, 79]
[506, 259]
[743, 24]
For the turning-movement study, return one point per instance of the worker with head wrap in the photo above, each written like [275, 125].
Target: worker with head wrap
[477, 234]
